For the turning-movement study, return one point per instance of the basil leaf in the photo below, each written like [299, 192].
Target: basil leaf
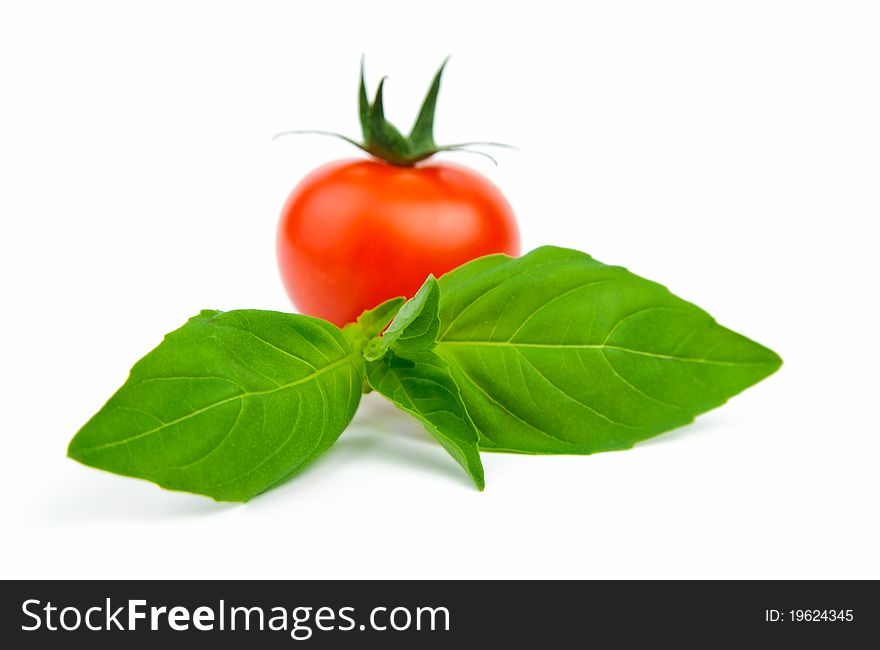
[402, 368]
[555, 352]
[374, 320]
[229, 405]
[422, 386]
[414, 328]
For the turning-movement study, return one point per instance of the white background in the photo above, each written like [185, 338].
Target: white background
[730, 150]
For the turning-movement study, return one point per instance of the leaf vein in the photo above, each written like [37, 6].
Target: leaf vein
[302, 380]
[572, 398]
[555, 346]
[547, 434]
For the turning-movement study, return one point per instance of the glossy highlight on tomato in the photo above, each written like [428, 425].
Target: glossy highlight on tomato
[355, 233]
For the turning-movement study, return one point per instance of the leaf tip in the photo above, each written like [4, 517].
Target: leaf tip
[768, 358]
[777, 361]
[74, 448]
[774, 362]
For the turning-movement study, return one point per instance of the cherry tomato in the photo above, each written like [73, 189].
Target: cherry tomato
[355, 233]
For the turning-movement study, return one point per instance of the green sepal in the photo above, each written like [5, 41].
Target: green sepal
[421, 138]
[363, 105]
[383, 140]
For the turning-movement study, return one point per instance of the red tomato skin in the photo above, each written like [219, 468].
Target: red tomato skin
[354, 233]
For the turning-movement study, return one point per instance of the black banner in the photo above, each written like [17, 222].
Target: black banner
[438, 614]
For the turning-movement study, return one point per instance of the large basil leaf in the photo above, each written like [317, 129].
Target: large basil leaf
[402, 368]
[228, 405]
[555, 352]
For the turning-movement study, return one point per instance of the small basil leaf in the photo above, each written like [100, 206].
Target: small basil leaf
[422, 386]
[229, 405]
[374, 320]
[415, 326]
[555, 352]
